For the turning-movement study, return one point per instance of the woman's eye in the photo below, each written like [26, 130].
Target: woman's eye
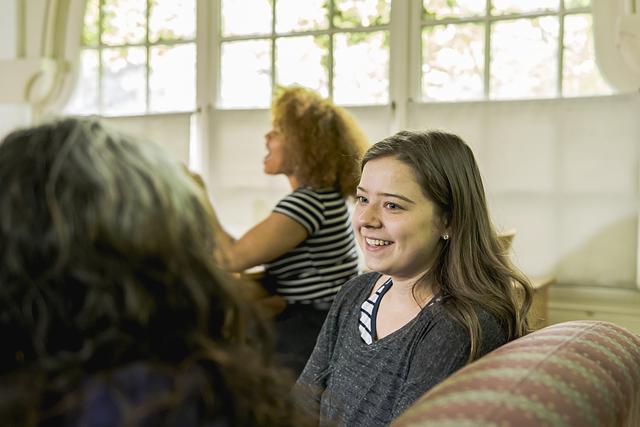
[392, 206]
[361, 199]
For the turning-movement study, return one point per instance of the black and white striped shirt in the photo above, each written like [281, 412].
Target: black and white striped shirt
[315, 270]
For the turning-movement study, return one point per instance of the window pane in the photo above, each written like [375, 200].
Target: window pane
[123, 21]
[245, 77]
[172, 78]
[520, 6]
[580, 72]
[568, 4]
[90, 33]
[172, 20]
[361, 68]
[84, 100]
[361, 13]
[296, 15]
[123, 80]
[236, 20]
[303, 61]
[453, 62]
[524, 58]
[437, 9]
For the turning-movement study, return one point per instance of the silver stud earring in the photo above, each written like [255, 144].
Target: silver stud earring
[445, 236]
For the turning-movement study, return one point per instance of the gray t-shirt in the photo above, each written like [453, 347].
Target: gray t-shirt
[348, 382]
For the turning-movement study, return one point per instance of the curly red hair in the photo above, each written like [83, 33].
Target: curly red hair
[324, 143]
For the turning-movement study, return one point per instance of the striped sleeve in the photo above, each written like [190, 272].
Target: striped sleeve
[304, 207]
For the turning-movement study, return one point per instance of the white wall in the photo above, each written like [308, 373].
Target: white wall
[12, 115]
[8, 29]
[564, 173]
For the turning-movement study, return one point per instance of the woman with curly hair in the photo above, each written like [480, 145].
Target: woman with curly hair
[112, 311]
[306, 243]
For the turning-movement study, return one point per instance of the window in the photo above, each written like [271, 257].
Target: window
[505, 49]
[138, 57]
[339, 48]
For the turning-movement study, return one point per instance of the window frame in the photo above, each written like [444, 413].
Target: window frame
[405, 55]
[273, 36]
[147, 45]
[487, 20]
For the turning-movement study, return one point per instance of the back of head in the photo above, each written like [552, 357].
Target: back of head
[324, 143]
[471, 268]
[106, 260]
[96, 228]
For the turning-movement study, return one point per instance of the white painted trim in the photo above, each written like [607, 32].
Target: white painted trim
[68, 26]
[615, 70]
[32, 80]
[399, 71]
[48, 44]
[206, 92]
[604, 300]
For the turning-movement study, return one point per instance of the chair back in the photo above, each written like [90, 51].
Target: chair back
[573, 374]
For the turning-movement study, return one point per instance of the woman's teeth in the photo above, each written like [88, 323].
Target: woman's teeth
[376, 242]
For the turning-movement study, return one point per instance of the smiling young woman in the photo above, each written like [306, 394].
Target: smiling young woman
[440, 293]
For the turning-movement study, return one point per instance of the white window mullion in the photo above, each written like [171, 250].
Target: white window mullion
[207, 77]
[273, 47]
[330, 53]
[100, 108]
[560, 56]
[147, 48]
[487, 52]
[403, 80]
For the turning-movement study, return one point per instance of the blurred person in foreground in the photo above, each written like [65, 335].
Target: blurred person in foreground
[306, 243]
[112, 311]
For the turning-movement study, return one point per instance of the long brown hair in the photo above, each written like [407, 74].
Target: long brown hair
[324, 143]
[106, 262]
[471, 268]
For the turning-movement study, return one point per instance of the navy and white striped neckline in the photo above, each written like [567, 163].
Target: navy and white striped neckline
[369, 312]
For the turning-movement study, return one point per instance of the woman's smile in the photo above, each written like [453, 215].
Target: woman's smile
[397, 226]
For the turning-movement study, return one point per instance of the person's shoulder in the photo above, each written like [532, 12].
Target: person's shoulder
[106, 395]
[442, 322]
[323, 195]
[304, 196]
[493, 332]
[357, 286]
[361, 281]
[306, 191]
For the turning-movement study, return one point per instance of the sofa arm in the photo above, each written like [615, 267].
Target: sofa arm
[581, 373]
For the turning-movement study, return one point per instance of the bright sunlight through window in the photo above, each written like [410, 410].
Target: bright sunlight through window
[138, 57]
[339, 48]
[507, 49]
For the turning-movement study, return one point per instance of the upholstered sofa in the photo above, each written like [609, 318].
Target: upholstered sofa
[576, 374]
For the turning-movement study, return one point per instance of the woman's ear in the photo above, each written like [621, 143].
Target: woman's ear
[445, 230]
[445, 221]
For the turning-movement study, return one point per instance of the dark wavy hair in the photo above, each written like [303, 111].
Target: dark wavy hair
[324, 143]
[106, 262]
[471, 268]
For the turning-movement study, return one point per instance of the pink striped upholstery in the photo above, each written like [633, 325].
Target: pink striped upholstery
[581, 373]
